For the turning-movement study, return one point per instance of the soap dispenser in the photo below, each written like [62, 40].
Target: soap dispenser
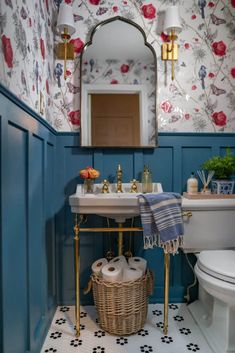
[192, 185]
[147, 185]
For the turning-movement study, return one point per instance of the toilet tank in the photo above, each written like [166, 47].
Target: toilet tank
[211, 226]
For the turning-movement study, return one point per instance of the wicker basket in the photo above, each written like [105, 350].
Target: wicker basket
[122, 306]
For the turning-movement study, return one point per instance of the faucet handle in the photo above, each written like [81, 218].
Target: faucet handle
[105, 187]
[134, 187]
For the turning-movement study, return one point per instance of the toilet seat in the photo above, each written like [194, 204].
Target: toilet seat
[218, 263]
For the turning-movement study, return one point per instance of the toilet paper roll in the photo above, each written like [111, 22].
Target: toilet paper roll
[112, 273]
[119, 261]
[98, 265]
[131, 274]
[138, 262]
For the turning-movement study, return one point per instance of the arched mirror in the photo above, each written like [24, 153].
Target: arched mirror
[118, 87]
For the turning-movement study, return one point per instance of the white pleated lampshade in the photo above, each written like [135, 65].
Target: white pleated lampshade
[65, 19]
[172, 19]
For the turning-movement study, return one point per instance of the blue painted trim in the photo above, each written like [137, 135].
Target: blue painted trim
[163, 134]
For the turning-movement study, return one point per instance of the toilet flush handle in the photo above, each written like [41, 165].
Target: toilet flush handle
[187, 214]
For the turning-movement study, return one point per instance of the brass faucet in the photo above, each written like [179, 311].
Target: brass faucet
[119, 178]
[105, 188]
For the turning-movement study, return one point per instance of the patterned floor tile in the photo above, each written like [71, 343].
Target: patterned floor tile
[184, 335]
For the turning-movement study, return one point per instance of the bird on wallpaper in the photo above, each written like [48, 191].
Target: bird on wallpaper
[23, 81]
[202, 75]
[202, 4]
[58, 72]
[92, 63]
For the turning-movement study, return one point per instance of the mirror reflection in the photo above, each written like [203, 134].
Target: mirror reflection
[118, 87]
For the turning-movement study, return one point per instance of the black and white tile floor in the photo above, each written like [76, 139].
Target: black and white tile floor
[184, 335]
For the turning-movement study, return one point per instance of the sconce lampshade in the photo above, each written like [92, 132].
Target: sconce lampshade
[172, 20]
[65, 19]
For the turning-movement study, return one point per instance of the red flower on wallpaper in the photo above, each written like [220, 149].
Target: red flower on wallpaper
[186, 45]
[219, 48]
[68, 73]
[187, 116]
[114, 82]
[47, 6]
[124, 68]
[47, 87]
[42, 47]
[7, 51]
[148, 11]
[165, 37]
[233, 72]
[233, 3]
[219, 118]
[211, 4]
[166, 106]
[74, 117]
[78, 45]
[68, 1]
[94, 2]
[115, 9]
[211, 75]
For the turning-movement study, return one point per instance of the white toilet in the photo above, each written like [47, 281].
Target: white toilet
[210, 233]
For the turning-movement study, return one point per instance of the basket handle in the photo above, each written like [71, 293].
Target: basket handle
[88, 288]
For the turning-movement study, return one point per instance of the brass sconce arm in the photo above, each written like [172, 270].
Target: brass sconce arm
[170, 52]
[172, 26]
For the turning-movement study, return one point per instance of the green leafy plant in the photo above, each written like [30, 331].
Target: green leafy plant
[224, 167]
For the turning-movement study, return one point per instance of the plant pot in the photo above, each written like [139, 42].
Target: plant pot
[222, 186]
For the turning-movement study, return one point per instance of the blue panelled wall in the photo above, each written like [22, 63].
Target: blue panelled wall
[39, 170]
[28, 239]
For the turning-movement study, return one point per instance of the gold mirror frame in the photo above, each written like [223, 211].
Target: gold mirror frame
[89, 43]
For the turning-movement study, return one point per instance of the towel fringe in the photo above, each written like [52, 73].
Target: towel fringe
[169, 247]
[172, 246]
[150, 241]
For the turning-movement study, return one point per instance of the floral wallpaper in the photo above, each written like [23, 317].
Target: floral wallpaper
[200, 99]
[26, 50]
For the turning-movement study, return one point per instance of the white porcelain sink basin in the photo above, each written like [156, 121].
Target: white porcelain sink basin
[118, 206]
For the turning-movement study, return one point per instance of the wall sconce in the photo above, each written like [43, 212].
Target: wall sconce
[172, 26]
[65, 24]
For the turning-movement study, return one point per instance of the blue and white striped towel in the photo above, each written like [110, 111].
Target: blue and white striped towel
[161, 218]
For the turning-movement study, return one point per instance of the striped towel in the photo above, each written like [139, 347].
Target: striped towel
[161, 218]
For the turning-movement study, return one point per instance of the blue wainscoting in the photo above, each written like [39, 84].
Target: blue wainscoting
[39, 171]
[28, 247]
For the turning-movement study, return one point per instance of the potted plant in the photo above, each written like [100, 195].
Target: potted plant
[224, 168]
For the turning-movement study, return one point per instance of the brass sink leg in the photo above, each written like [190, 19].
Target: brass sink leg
[166, 291]
[77, 275]
[120, 240]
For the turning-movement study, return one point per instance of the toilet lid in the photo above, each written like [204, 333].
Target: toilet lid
[218, 263]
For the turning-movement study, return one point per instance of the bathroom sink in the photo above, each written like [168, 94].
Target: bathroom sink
[118, 206]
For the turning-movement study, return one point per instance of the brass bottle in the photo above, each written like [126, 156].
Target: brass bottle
[147, 185]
